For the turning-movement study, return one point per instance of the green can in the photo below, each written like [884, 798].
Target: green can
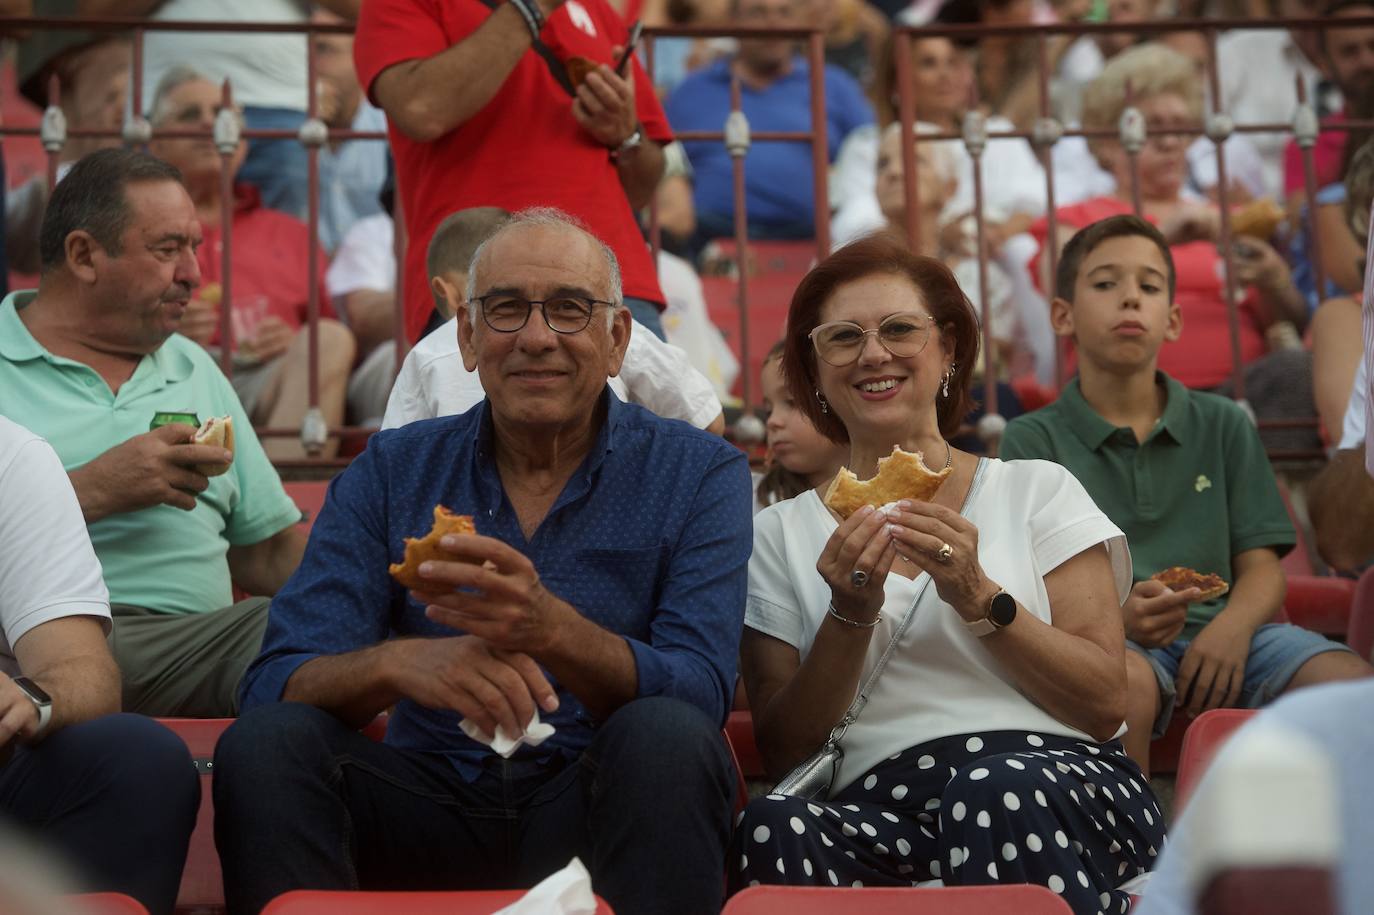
[167, 417]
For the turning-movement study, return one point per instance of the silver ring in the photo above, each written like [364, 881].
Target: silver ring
[858, 578]
[944, 552]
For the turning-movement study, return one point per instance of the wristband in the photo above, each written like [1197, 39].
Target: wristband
[855, 623]
[534, 17]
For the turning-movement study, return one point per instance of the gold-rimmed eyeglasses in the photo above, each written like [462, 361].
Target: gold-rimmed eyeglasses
[903, 335]
[565, 314]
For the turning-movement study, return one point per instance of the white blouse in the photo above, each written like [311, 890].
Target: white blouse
[1031, 517]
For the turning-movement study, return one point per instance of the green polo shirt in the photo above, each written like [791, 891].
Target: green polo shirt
[1198, 491]
[161, 558]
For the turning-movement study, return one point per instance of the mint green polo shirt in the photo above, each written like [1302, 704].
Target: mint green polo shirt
[1195, 493]
[161, 558]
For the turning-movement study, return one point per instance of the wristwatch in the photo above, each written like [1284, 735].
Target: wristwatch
[1001, 611]
[40, 699]
[632, 142]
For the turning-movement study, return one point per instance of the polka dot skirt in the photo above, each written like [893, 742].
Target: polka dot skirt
[997, 807]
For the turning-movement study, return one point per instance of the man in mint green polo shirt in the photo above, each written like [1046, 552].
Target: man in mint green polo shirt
[1184, 475]
[86, 361]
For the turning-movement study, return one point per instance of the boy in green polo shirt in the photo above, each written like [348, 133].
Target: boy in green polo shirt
[1184, 475]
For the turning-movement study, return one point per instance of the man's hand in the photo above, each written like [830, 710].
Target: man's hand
[478, 681]
[1191, 222]
[1213, 668]
[269, 340]
[1155, 615]
[200, 321]
[155, 468]
[605, 105]
[1258, 264]
[502, 599]
[18, 716]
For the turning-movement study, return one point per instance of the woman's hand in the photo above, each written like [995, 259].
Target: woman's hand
[861, 543]
[924, 533]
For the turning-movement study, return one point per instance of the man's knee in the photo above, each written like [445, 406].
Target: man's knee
[663, 739]
[271, 736]
[134, 760]
[337, 347]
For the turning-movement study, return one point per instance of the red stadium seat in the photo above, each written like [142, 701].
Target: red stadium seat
[328, 902]
[1319, 602]
[1361, 633]
[1010, 899]
[765, 257]
[1164, 751]
[104, 904]
[739, 728]
[1203, 739]
[308, 496]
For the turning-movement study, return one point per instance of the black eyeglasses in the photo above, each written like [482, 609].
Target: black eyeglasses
[840, 342]
[565, 314]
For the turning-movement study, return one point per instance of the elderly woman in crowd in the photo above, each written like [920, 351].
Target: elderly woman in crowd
[1167, 92]
[988, 749]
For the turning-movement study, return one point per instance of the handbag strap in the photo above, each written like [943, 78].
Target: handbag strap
[861, 699]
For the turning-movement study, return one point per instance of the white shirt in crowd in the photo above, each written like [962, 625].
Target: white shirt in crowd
[48, 568]
[434, 382]
[1259, 71]
[1032, 516]
[266, 71]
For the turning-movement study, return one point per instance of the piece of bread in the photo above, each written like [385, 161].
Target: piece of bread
[426, 548]
[217, 430]
[1258, 218]
[901, 475]
[210, 293]
[1181, 578]
[578, 68]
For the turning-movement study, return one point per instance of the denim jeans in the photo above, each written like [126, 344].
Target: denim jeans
[277, 168]
[646, 313]
[302, 800]
[114, 799]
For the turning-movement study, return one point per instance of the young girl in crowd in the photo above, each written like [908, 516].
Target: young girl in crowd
[799, 457]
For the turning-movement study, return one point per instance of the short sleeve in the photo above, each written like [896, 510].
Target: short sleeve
[1025, 438]
[1258, 517]
[1065, 521]
[773, 606]
[393, 31]
[659, 377]
[849, 109]
[405, 405]
[48, 569]
[365, 259]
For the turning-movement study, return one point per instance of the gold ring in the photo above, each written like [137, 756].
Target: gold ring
[944, 552]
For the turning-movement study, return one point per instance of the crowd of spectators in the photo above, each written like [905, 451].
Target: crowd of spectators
[527, 151]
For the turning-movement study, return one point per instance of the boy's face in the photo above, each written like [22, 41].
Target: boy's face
[1121, 313]
[449, 290]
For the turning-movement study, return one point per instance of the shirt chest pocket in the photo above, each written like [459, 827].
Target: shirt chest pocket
[619, 588]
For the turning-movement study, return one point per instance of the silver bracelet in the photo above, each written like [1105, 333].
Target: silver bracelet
[855, 623]
[534, 18]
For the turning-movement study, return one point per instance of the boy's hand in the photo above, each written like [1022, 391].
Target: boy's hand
[1213, 668]
[1154, 615]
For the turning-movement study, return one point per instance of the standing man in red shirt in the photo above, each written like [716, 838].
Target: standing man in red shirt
[482, 112]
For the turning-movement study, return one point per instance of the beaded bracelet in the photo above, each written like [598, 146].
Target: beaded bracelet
[855, 623]
[534, 17]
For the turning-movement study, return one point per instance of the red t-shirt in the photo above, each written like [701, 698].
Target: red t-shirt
[1201, 356]
[271, 265]
[523, 149]
[1327, 155]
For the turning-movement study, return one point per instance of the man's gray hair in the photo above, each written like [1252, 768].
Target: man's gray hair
[549, 217]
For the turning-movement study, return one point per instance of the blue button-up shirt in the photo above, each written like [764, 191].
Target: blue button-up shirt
[650, 539]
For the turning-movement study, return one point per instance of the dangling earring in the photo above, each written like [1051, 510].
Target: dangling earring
[825, 407]
[949, 373]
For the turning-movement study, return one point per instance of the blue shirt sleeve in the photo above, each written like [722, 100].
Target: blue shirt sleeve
[339, 598]
[693, 647]
[846, 106]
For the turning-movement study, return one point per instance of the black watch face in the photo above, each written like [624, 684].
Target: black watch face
[33, 689]
[1003, 609]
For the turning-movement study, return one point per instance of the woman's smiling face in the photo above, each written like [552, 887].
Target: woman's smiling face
[878, 390]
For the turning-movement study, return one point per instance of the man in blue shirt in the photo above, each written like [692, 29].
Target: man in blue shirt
[603, 592]
[775, 95]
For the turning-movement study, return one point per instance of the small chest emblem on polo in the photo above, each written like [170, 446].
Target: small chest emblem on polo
[1202, 483]
[580, 17]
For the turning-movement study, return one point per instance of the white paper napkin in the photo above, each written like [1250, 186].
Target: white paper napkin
[567, 892]
[536, 732]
